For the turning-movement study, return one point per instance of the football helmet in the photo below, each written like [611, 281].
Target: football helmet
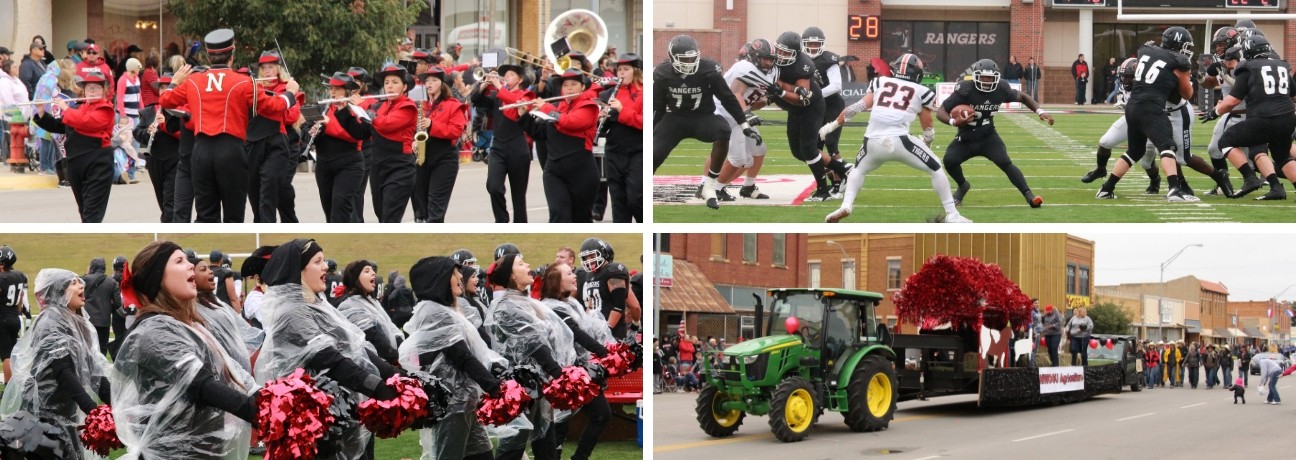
[744, 52]
[464, 257]
[8, 257]
[907, 67]
[595, 253]
[812, 42]
[1244, 23]
[785, 48]
[1257, 47]
[506, 249]
[119, 263]
[1177, 39]
[684, 55]
[761, 53]
[1224, 38]
[985, 74]
[332, 265]
[1126, 72]
[1233, 53]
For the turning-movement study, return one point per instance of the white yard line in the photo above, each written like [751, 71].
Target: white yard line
[1043, 435]
[1135, 416]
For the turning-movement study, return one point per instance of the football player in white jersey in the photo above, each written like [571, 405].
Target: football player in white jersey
[895, 102]
[747, 78]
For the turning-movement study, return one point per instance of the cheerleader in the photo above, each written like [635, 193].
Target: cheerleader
[470, 302]
[233, 333]
[436, 176]
[175, 394]
[160, 131]
[57, 365]
[527, 332]
[392, 179]
[444, 343]
[339, 164]
[89, 130]
[570, 174]
[360, 306]
[559, 293]
[304, 331]
[623, 164]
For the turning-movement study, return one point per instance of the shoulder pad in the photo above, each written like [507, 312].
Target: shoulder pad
[964, 87]
[834, 57]
[706, 66]
[616, 270]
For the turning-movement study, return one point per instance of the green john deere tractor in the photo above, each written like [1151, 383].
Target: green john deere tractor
[833, 356]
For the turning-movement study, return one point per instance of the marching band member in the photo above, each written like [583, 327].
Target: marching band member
[392, 178]
[361, 77]
[271, 164]
[623, 163]
[160, 131]
[570, 176]
[89, 146]
[510, 155]
[436, 176]
[339, 167]
[220, 98]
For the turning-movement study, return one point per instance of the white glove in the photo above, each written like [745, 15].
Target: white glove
[929, 136]
[828, 128]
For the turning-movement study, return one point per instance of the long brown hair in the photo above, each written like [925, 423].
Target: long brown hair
[165, 303]
[551, 287]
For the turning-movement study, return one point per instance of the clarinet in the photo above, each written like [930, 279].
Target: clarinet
[598, 132]
[314, 134]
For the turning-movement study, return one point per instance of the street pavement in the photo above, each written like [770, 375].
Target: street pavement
[1174, 423]
[136, 203]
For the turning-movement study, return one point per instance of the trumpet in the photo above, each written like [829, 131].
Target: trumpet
[480, 73]
[50, 101]
[530, 102]
[344, 99]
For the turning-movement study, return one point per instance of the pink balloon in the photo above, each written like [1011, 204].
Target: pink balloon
[1110, 345]
[1093, 343]
[792, 324]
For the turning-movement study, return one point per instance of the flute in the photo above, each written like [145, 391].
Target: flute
[344, 99]
[50, 101]
[530, 102]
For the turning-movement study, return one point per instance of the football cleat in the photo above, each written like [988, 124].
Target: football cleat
[709, 194]
[750, 191]
[837, 216]
[1178, 196]
[956, 219]
[820, 194]
[1249, 184]
[1094, 175]
[1105, 195]
[1224, 185]
[961, 192]
[1034, 201]
[1275, 194]
[723, 195]
[1154, 187]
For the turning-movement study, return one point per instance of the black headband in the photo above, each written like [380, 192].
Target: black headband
[147, 277]
[288, 260]
[503, 271]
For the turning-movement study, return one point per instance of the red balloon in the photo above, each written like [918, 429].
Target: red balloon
[1043, 342]
[1110, 345]
[792, 325]
[1093, 343]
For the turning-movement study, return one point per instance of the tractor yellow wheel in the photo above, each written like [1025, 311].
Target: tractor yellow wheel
[792, 409]
[714, 420]
[870, 396]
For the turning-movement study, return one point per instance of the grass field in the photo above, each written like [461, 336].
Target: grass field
[1052, 158]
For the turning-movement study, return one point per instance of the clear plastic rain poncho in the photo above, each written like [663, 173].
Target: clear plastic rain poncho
[232, 333]
[155, 417]
[520, 326]
[57, 333]
[365, 313]
[591, 322]
[470, 312]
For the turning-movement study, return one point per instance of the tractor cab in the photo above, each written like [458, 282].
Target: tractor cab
[834, 322]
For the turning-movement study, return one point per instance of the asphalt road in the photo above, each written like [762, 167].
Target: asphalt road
[135, 202]
[1160, 423]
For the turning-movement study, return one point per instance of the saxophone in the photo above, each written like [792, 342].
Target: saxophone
[420, 137]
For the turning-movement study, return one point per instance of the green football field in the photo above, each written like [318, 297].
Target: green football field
[1052, 158]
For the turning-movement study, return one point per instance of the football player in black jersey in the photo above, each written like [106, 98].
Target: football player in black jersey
[332, 280]
[826, 62]
[1264, 82]
[1162, 75]
[13, 302]
[976, 132]
[608, 285]
[685, 89]
[799, 91]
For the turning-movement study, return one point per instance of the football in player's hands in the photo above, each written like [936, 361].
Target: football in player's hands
[962, 114]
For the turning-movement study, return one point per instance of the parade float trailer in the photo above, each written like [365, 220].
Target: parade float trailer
[835, 355]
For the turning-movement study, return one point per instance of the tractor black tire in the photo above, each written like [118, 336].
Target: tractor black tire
[716, 425]
[875, 373]
[789, 418]
[1138, 382]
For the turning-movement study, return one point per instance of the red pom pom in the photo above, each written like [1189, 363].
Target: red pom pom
[618, 360]
[505, 408]
[292, 415]
[99, 433]
[571, 390]
[338, 291]
[387, 419]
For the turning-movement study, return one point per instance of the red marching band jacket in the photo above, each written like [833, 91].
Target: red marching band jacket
[631, 114]
[578, 117]
[219, 100]
[449, 118]
[394, 122]
[287, 117]
[91, 123]
[334, 129]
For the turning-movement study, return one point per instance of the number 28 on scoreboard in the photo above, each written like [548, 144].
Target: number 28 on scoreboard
[863, 27]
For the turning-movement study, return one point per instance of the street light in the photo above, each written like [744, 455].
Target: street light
[1161, 301]
[1274, 302]
[844, 257]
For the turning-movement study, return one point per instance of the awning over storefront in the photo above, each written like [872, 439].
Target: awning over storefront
[693, 292]
[1254, 333]
[1194, 326]
[1221, 333]
[1237, 333]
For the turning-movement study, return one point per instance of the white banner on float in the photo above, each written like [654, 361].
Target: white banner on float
[1059, 379]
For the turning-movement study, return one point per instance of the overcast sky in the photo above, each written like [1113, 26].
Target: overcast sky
[1254, 266]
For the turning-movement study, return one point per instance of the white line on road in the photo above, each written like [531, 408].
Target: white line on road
[1043, 435]
[928, 458]
[1192, 405]
[1135, 416]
